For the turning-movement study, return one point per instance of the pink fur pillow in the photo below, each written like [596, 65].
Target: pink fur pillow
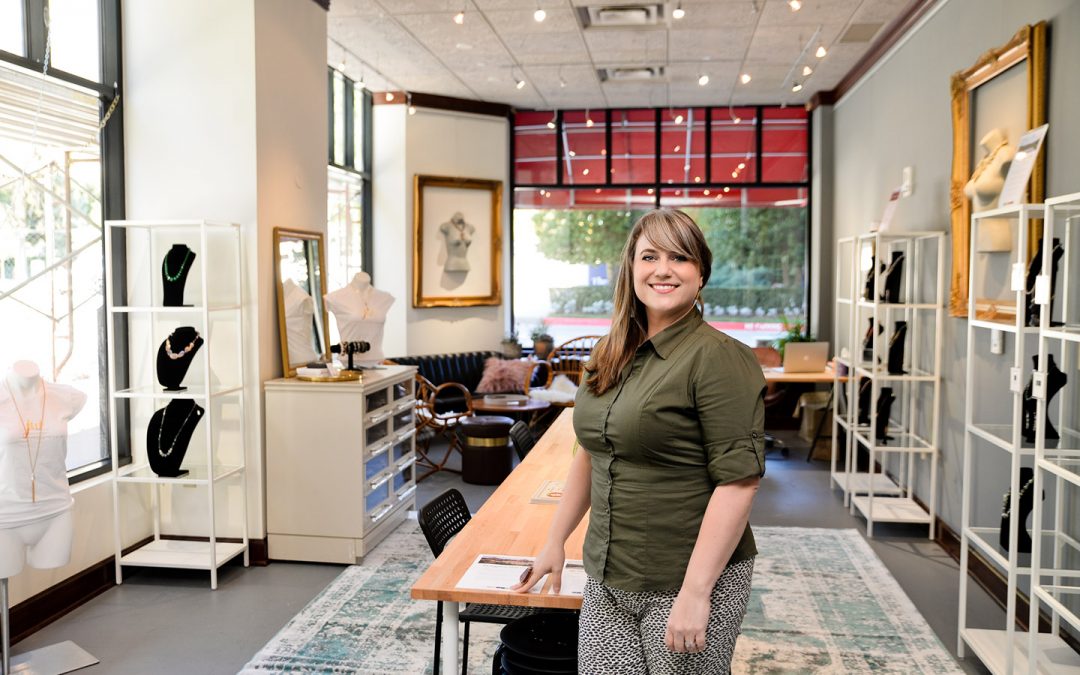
[503, 377]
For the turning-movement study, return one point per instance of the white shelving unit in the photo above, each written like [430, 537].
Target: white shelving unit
[888, 495]
[1056, 578]
[185, 526]
[996, 302]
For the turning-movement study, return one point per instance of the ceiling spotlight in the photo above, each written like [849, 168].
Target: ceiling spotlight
[676, 148]
[796, 87]
[412, 109]
[727, 189]
[678, 119]
[703, 80]
[459, 18]
[588, 120]
[551, 122]
[573, 154]
[518, 82]
[539, 15]
[734, 174]
[584, 172]
[678, 12]
[821, 52]
[705, 192]
[806, 70]
[742, 165]
[408, 100]
[736, 119]
[745, 78]
[795, 5]
[389, 96]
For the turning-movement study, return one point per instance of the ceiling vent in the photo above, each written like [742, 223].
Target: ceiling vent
[630, 73]
[647, 15]
[860, 32]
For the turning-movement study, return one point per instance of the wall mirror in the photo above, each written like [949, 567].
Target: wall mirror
[300, 263]
[1005, 89]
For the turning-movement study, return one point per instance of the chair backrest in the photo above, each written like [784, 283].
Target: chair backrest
[768, 357]
[442, 518]
[570, 357]
[523, 438]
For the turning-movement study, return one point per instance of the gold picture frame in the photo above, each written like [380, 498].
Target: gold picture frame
[457, 241]
[300, 264]
[1027, 46]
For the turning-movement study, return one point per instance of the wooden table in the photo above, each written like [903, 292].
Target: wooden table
[532, 406]
[778, 375]
[506, 524]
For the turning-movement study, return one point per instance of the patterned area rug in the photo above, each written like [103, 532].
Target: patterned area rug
[822, 602]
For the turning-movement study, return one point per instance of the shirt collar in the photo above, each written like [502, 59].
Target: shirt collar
[665, 342]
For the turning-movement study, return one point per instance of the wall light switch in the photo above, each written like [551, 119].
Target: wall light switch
[907, 183]
[997, 342]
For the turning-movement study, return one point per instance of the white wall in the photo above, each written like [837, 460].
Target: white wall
[441, 143]
[900, 116]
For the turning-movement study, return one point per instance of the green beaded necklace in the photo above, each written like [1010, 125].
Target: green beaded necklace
[179, 272]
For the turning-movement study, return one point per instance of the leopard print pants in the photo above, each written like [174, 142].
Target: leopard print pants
[622, 632]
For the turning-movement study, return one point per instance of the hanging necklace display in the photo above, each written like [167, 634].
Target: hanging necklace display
[174, 271]
[175, 355]
[1031, 314]
[893, 274]
[896, 349]
[1025, 501]
[161, 450]
[168, 436]
[28, 426]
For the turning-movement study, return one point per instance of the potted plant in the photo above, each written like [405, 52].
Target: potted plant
[543, 344]
[511, 348]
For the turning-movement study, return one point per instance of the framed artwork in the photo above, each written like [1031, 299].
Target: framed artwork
[457, 241]
[1002, 95]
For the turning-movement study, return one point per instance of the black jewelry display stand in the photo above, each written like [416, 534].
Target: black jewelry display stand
[865, 388]
[181, 417]
[177, 264]
[57, 659]
[170, 371]
[893, 275]
[1055, 381]
[868, 340]
[884, 409]
[868, 289]
[896, 349]
[1026, 505]
[352, 348]
[1031, 309]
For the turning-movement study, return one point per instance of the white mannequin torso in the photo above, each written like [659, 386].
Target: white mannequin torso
[360, 312]
[299, 317]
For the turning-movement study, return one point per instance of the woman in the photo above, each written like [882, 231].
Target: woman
[671, 418]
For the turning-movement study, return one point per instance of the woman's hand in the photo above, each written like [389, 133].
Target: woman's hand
[687, 622]
[549, 561]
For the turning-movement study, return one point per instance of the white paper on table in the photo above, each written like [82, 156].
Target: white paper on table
[1022, 165]
[493, 572]
[573, 578]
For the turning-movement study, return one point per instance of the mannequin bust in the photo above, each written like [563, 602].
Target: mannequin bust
[984, 187]
[360, 312]
[168, 435]
[174, 273]
[458, 235]
[35, 501]
[299, 322]
[175, 355]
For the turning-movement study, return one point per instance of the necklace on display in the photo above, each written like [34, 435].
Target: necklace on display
[460, 228]
[183, 352]
[27, 426]
[1023, 489]
[164, 411]
[985, 161]
[179, 272]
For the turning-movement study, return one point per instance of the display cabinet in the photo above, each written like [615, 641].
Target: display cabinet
[175, 330]
[340, 464]
[890, 309]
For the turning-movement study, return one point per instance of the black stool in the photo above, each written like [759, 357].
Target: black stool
[541, 644]
[486, 459]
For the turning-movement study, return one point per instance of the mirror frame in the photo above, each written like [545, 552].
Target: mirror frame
[1029, 44]
[282, 233]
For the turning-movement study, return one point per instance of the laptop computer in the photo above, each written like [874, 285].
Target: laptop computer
[805, 357]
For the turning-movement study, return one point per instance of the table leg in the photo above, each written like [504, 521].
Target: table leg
[450, 638]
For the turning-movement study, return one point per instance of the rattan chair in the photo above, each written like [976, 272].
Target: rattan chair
[441, 519]
[431, 424]
[523, 438]
[570, 357]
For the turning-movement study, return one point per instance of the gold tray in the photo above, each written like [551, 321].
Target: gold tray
[342, 376]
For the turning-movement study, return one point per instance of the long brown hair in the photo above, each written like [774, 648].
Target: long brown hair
[667, 229]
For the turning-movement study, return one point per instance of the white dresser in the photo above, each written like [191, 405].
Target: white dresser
[340, 459]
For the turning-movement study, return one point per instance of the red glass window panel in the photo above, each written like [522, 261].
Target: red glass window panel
[784, 140]
[584, 154]
[734, 197]
[633, 146]
[682, 145]
[734, 138]
[534, 148]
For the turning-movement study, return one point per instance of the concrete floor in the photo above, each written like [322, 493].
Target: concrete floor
[166, 622]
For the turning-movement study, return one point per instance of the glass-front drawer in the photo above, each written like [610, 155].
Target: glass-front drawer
[403, 390]
[403, 420]
[377, 496]
[376, 465]
[376, 399]
[375, 433]
[401, 450]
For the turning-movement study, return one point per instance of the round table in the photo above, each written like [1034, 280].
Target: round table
[532, 406]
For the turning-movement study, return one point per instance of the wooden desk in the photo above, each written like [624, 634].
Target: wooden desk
[533, 408]
[507, 524]
[778, 375]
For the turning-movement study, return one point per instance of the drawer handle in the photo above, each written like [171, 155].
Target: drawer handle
[381, 417]
[406, 494]
[406, 436]
[376, 451]
[378, 515]
[376, 484]
[406, 464]
[407, 405]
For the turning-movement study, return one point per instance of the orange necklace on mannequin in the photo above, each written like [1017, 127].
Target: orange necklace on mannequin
[27, 427]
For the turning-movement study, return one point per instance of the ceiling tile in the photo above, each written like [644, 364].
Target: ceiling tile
[709, 44]
[613, 47]
[813, 12]
[555, 48]
[520, 21]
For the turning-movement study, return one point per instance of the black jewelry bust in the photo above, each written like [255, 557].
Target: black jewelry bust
[168, 436]
[174, 273]
[1026, 505]
[175, 355]
[893, 276]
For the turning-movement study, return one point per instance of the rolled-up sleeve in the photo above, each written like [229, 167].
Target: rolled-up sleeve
[729, 390]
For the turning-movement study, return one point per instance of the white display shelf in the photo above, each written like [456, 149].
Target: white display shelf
[1020, 210]
[891, 509]
[192, 309]
[985, 539]
[881, 373]
[186, 225]
[196, 393]
[1007, 327]
[1066, 467]
[902, 442]
[1065, 333]
[1055, 657]
[197, 475]
[861, 482]
[178, 554]
[893, 306]
[843, 301]
[1000, 435]
[1046, 594]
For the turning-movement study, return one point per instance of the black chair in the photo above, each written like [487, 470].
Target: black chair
[523, 438]
[441, 519]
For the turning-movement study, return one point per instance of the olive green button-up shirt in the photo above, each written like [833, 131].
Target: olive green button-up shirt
[687, 415]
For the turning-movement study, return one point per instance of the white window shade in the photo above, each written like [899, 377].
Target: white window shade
[60, 114]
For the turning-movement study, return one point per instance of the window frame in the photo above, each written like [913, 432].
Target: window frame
[361, 169]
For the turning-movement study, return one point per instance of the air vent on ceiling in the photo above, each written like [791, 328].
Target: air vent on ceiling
[645, 15]
[630, 73]
[860, 32]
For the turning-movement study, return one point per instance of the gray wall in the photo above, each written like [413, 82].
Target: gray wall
[900, 116]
